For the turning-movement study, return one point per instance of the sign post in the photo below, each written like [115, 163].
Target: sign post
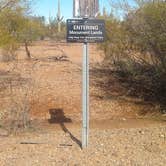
[85, 31]
[85, 96]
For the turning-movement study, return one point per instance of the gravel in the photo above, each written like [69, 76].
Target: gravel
[111, 147]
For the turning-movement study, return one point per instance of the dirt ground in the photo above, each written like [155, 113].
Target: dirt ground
[119, 134]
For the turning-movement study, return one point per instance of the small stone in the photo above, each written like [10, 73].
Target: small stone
[124, 119]
[142, 132]
[162, 136]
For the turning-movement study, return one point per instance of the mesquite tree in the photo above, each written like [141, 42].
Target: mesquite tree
[17, 27]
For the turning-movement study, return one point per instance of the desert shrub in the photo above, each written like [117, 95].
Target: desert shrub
[129, 44]
[18, 92]
[17, 27]
[53, 31]
[15, 94]
[146, 27]
[59, 36]
[18, 114]
[117, 43]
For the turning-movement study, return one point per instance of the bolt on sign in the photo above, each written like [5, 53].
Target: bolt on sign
[85, 30]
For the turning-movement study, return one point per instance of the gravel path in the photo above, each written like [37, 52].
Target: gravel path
[116, 147]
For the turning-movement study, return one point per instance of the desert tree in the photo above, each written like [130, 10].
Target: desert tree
[17, 27]
[31, 29]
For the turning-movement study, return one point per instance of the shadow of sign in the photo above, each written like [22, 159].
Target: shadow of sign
[57, 116]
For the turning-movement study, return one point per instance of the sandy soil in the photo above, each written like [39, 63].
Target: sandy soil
[118, 135]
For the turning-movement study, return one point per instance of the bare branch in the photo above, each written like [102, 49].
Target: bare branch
[7, 4]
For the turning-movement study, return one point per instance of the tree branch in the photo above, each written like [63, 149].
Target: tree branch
[7, 4]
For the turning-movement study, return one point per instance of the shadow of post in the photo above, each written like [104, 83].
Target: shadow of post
[57, 116]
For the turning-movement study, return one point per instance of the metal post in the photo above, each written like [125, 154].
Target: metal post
[85, 97]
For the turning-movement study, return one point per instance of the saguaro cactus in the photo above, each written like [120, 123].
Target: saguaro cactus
[89, 8]
[59, 18]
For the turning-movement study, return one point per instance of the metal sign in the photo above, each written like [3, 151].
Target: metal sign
[85, 8]
[85, 30]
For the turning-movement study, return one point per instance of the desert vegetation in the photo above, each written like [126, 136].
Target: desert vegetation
[19, 27]
[41, 82]
[134, 54]
[135, 47]
[18, 30]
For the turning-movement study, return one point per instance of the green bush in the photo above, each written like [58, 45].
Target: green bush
[136, 47]
[17, 28]
[147, 29]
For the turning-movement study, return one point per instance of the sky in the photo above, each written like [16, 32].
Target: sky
[49, 7]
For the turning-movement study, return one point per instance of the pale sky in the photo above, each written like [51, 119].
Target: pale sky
[49, 7]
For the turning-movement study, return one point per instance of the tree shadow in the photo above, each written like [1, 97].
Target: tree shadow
[57, 116]
[119, 84]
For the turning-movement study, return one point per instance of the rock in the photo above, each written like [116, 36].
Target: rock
[142, 132]
[162, 136]
[124, 119]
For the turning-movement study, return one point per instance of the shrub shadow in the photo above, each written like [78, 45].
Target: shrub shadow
[144, 85]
